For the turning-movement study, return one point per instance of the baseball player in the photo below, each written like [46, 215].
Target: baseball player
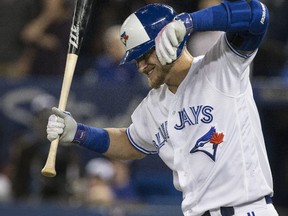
[200, 116]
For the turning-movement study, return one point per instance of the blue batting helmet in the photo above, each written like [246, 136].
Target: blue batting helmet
[139, 30]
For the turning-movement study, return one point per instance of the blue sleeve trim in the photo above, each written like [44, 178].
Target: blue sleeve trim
[141, 149]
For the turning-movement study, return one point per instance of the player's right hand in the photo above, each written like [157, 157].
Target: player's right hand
[168, 40]
[61, 124]
[171, 36]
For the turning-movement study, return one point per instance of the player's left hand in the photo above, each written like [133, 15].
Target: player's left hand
[168, 40]
[62, 124]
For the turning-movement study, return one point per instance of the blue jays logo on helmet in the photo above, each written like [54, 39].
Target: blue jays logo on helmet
[209, 143]
[124, 37]
[140, 29]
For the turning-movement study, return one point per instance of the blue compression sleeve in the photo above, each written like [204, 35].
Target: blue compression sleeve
[245, 19]
[95, 139]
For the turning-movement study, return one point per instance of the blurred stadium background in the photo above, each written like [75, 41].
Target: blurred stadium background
[103, 101]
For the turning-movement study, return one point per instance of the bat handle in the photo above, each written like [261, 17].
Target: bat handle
[49, 168]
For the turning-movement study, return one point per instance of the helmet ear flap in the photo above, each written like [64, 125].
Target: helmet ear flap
[139, 30]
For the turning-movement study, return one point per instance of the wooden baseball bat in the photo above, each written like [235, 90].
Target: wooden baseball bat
[81, 16]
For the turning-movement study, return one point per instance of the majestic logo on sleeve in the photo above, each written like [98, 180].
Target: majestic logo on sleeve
[208, 143]
[124, 38]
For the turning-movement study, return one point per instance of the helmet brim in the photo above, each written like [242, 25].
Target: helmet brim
[142, 49]
[137, 52]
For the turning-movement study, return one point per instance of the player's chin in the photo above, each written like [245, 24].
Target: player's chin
[155, 84]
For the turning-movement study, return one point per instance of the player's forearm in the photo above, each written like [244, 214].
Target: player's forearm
[112, 142]
[120, 147]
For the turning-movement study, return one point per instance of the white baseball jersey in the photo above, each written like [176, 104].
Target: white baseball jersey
[208, 133]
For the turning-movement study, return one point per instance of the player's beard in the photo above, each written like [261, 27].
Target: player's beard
[158, 76]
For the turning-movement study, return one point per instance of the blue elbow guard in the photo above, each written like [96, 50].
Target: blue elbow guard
[251, 39]
[260, 18]
[246, 19]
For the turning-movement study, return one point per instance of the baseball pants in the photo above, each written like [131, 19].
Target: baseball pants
[262, 207]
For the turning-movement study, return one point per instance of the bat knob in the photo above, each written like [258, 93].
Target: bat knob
[48, 173]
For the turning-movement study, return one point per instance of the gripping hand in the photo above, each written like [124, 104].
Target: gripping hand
[171, 36]
[61, 124]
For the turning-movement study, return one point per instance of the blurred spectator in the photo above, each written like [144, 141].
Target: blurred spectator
[14, 15]
[28, 156]
[5, 185]
[99, 173]
[5, 188]
[106, 68]
[104, 14]
[46, 38]
[108, 182]
[122, 185]
[200, 42]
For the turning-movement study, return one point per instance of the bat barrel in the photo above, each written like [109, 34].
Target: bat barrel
[80, 21]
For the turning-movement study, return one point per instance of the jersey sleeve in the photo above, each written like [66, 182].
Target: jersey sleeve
[138, 131]
[226, 69]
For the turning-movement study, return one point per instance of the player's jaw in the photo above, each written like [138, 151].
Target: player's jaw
[152, 68]
[158, 77]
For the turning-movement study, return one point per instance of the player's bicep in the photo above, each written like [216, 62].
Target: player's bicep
[139, 132]
[230, 72]
[137, 139]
